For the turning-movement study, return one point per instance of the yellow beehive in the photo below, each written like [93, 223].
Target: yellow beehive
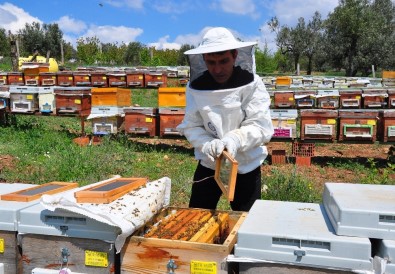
[113, 96]
[171, 97]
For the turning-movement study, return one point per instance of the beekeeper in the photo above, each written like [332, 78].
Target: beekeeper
[227, 107]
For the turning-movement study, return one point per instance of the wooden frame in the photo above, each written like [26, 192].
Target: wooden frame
[34, 193]
[225, 174]
[109, 191]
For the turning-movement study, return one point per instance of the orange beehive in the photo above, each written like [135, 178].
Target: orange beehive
[388, 125]
[284, 99]
[169, 119]
[111, 96]
[99, 79]
[65, 78]
[15, 78]
[318, 124]
[155, 79]
[47, 79]
[374, 98]
[81, 78]
[171, 97]
[116, 79]
[360, 125]
[391, 97]
[305, 98]
[350, 98]
[141, 120]
[135, 78]
[73, 100]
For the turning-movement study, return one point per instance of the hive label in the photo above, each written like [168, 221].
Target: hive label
[1, 245]
[200, 267]
[96, 258]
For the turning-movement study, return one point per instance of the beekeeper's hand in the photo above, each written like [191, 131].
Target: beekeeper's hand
[232, 143]
[213, 149]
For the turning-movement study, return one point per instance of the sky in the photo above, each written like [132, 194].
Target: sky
[163, 24]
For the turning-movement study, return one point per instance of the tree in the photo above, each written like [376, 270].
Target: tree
[313, 39]
[4, 43]
[32, 38]
[52, 40]
[346, 28]
[290, 40]
[88, 50]
[265, 62]
[182, 59]
[132, 55]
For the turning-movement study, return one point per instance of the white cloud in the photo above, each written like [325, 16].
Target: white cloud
[67, 24]
[173, 7]
[134, 4]
[112, 34]
[164, 44]
[14, 19]
[241, 7]
[288, 11]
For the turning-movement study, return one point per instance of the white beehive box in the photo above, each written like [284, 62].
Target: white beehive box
[386, 251]
[9, 254]
[299, 234]
[284, 122]
[361, 210]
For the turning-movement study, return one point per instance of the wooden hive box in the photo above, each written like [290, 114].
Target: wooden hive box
[375, 98]
[153, 254]
[66, 239]
[135, 78]
[73, 100]
[116, 79]
[141, 120]
[111, 96]
[5, 98]
[318, 124]
[99, 79]
[15, 78]
[65, 78]
[81, 78]
[24, 99]
[284, 99]
[31, 79]
[106, 125]
[387, 130]
[3, 79]
[34, 68]
[169, 119]
[155, 80]
[305, 98]
[328, 99]
[283, 81]
[350, 98]
[46, 102]
[171, 97]
[47, 79]
[9, 252]
[391, 97]
[284, 123]
[360, 125]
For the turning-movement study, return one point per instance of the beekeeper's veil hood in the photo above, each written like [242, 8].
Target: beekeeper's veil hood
[216, 40]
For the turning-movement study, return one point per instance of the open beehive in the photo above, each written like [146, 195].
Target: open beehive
[188, 238]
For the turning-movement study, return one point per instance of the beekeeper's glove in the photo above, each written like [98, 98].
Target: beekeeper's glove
[213, 149]
[232, 143]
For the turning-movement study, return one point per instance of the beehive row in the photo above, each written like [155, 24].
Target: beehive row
[87, 78]
[359, 125]
[195, 225]
[347, 98]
